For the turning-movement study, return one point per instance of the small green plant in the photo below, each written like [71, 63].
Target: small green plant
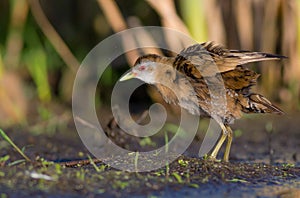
[205, 157]
[194, 185]
[288, 165]
[158, 173]
[120, 184]
[80, 174]
[44, 162]
[177, 177]
[102, 167]
[236, 180]
[173, 128]
[238, 133]
[4, 159]
[58, 168]
[6, 138]
[183, 163]
[93, 164]
[147, 142]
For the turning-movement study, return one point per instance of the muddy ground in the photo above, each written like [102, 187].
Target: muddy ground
[265, 162]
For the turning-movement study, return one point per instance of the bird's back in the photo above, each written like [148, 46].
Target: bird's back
[202, 62]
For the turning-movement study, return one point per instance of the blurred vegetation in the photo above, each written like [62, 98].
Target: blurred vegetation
[42, 43]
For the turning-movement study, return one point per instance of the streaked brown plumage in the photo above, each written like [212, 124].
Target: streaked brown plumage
[201, 68]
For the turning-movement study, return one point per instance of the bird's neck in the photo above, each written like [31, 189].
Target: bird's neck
[174, 86]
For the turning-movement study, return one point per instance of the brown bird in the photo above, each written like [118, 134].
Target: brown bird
[203, 76]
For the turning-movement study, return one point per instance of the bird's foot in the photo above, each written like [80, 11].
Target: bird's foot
[213, 158]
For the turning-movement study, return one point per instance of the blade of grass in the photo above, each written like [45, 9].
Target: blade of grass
[16, 162]
[36, 61]
[136, 162]
[53, 36]
[177, 177]
[6, 138]
[93, 164]
[167, 150]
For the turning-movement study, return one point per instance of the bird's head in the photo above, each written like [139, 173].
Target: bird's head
[147, 68]
[144, 71]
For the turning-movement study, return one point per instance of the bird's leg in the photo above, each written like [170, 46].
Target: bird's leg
[228, 145]
[214, 153]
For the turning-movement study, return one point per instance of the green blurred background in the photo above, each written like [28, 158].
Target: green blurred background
[43, 42]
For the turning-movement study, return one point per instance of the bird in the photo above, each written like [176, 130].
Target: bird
[187, 79]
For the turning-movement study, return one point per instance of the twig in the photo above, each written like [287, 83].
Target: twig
[142, 117]
[245, 23]
[167, 11]
[77, 163]
[117, 22]
[144, 38]
[216, 27]
[169, 17]
[113, 15]
[49, 31]
[14, 42]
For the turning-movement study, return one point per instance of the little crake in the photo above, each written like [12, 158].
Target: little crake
[204, 76]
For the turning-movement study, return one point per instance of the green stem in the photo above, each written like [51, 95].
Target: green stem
[6, 138]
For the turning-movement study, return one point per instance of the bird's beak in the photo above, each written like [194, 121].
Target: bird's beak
[128, 76]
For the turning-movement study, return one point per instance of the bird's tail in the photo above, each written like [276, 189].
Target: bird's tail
[259, 104]
[248, 57]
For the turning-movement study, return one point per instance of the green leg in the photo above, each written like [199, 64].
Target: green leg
[214, 153]
[228, 145]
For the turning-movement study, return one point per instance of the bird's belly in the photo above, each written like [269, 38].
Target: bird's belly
[227, 107]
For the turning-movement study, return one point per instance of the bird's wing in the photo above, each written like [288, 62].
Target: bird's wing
[195, 62]
[209, 58]
[239, 79]
[259, 104]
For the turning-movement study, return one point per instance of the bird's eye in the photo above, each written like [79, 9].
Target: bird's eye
[141, 68]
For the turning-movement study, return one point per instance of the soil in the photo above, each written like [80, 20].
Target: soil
[265, 162]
